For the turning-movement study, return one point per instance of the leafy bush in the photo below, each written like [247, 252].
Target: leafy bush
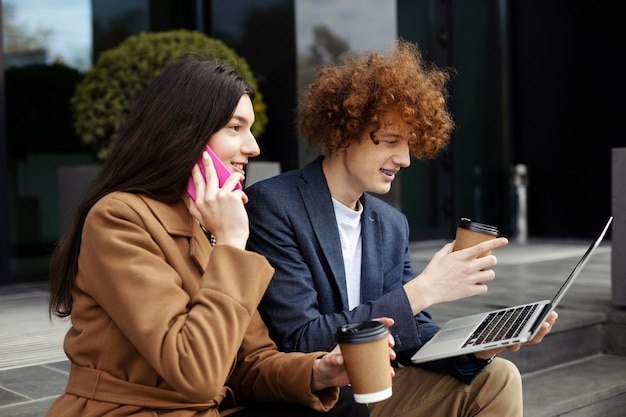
[110, 88]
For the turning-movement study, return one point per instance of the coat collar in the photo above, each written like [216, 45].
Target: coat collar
[177, 221]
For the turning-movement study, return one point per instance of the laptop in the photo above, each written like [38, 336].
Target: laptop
[497, 328]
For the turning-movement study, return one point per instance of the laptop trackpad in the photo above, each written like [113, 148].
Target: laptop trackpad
[453, 334]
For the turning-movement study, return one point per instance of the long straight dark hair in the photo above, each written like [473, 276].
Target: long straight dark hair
[162, 138]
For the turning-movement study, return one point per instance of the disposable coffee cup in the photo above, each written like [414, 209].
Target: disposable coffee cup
[469, 233]
[366, 356]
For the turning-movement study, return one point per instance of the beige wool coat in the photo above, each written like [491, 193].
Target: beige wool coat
[163, 324]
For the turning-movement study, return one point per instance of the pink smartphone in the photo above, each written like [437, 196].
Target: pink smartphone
[222, 174]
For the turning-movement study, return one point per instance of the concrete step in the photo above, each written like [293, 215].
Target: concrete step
[593, 386]
[579, 369]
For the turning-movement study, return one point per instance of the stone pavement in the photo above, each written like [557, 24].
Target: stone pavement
[34, 369]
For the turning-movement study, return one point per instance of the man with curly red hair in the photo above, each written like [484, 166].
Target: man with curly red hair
[342, 255]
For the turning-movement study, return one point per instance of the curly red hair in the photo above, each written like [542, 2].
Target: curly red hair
[346, 101]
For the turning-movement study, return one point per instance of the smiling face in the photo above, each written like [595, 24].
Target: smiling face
[368, 167]
[234, 143]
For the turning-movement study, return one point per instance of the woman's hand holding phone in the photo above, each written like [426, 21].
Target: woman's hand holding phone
[219, 209]
[223, 173]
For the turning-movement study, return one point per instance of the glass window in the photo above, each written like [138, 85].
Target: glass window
[115, 20]
[327, 29]
[47, 48]
[47, 31]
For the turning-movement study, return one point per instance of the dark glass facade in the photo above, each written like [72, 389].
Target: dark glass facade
[533, 85]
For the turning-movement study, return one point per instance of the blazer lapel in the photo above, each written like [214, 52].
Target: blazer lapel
[319, 207]
[372, 252]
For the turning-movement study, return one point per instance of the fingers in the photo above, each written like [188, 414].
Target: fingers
[486, 262]
[451, 275]
[479, 288]
[552, 318]
[336, 359]
[446, 249]
[198, 180]
[478, 261]
[483, 247]
[388, 321]
[479, 279]
[494, 243]
[203, 175]
[209, 169]
[546, 327]
[206, 180]
[232, 181]
[211, 175]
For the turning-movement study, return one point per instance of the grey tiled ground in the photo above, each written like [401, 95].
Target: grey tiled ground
[33, 368]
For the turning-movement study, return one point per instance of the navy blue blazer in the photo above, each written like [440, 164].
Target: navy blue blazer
[292, 223]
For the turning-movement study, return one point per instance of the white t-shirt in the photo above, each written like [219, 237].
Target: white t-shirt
[349, 224]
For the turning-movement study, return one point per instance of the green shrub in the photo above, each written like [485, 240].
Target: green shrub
[110, 88]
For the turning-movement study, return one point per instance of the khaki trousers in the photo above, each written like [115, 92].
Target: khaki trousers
[496, 391]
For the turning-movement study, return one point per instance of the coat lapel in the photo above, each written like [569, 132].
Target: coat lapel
[179, 222]
[199, 247]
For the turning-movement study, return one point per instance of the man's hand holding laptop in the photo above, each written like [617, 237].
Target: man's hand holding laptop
[487, 355]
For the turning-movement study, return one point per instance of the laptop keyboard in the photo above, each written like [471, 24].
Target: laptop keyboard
[501, 325]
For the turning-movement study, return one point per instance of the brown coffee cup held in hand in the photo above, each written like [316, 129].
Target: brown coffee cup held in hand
[469, 233]
[366, 356]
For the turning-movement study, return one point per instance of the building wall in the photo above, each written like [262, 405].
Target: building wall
[535, 84]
